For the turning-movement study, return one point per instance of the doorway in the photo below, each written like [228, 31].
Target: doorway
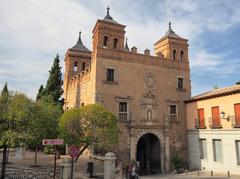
[148, 154]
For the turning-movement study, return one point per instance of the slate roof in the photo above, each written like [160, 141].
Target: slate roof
[126, 46]
[79, 45]
[171, 33]
[109, 18]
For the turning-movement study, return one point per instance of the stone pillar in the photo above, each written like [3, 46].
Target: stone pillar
[167, 149]
[109, 165]
[167, 144]
[132, 148]
[18, 154]
[66, 149]
[66, 164]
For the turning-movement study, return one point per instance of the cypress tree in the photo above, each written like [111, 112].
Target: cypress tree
[40, 92]
[5, 90]
[3, 109]
[54, 82]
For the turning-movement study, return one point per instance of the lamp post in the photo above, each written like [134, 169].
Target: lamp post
[222, 115]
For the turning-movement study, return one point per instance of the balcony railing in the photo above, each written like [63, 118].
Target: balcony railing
[235, 123]
[123, 116]
[173, 118]
[213, 124]
[200, 124]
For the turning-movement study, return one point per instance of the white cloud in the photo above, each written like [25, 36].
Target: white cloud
[32, 32]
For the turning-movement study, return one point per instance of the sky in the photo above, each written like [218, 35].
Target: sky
[32, 32]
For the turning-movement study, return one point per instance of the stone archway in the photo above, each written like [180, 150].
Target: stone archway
[164, 146]
[148, 154]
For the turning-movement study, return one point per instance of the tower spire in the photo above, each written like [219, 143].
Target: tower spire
[79, 45]
[79, 38]
[108, 13]
[170, 27]
[126, 46]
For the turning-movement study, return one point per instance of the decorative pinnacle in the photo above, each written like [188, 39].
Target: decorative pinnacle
[170, 27]
[108, 13]
[108, 9]
[79, 38]
[126, 45]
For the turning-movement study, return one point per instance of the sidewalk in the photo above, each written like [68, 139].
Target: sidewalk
[190, 175]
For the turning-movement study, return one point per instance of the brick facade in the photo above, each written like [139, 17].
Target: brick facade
[147, 84]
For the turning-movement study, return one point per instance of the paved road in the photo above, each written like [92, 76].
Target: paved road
[192, 175]
[81, 167]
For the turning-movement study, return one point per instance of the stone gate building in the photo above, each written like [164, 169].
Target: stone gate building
[146, 92]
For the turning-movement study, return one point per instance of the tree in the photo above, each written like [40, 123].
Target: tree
[16, 111]
[91, 125]
[45, 123]
[4, 98]
[54, 82]
[40, 93]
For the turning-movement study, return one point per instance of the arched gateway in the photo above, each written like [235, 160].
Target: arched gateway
[148, 154]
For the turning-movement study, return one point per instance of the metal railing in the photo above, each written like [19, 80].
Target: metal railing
[200, 124]
[213, 124]
[33, 172]
[235, 123]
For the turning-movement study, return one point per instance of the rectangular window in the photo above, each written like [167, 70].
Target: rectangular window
[110, 75]
[215, 117]
[180, 83]
[203, 148]
[237, 115]
[200, 121]
[173, 112]
[123, 111]
[75, 67]
[237, 143]
[217, 150]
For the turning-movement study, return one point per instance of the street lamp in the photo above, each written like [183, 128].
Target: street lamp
[222, 115]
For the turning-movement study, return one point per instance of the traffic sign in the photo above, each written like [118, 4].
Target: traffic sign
[74, 151]
[52, 141]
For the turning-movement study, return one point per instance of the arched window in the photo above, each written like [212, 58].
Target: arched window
[75, 67]
[105, 41]
[182, 55]
[115, 43]
[83, 66]
[174, 54]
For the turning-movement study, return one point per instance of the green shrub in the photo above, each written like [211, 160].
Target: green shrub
[177, 159]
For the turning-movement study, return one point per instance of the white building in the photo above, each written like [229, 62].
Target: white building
[213, 130]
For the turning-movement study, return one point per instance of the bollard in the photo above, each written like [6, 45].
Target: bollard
[66, 164]
[211, 173]
[228, 173]
[109, 165]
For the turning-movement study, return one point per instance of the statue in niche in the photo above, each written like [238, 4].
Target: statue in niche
[149, 114]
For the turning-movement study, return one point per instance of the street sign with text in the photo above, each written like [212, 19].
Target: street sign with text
[52, 141]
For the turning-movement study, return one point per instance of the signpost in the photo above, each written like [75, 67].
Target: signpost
[74, 151]
[54, 142]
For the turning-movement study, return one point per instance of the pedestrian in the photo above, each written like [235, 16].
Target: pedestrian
[134, 175]
[128, 170]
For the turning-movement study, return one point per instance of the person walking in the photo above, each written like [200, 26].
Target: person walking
[128, 170]
[134, 175]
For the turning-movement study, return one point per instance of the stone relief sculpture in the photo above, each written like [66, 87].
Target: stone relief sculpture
[149, 100]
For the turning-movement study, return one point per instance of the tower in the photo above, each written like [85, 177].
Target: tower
[77, 59]
[108, 33]
[172, 46]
